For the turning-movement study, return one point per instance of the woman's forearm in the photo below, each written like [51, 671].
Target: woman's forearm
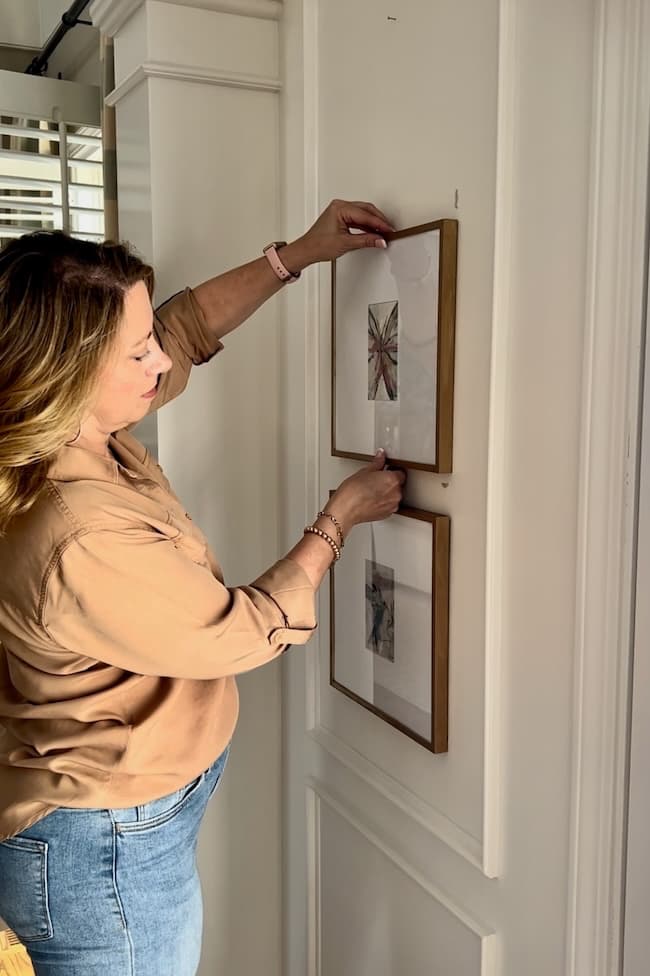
[313, 553]
[229, 299]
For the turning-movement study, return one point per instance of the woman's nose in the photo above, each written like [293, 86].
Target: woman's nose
[166, 363]
[160, 363]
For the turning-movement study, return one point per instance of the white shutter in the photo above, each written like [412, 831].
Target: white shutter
[50, 179]
[51, 169]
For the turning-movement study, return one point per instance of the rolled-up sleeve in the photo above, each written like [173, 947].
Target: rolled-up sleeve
[182, 333]
[133, 600]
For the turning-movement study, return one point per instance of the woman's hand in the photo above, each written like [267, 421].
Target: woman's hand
[331, 236]
[371, 494]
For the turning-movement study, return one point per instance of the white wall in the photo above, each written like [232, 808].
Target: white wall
[381, 148]
[29, 23]
[50, 13]
[20, 23]
[77, 57]
[459, 863]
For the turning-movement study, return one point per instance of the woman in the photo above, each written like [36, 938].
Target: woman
[119, 639]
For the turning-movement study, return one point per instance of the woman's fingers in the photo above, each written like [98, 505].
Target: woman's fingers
[343, 226]
[372, 493]
[365, 216]
[370, 208]
[357, 241]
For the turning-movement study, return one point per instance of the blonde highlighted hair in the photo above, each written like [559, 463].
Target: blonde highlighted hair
[61, 303]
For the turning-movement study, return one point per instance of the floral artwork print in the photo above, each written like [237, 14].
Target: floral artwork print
[382, 351]
[380, 610]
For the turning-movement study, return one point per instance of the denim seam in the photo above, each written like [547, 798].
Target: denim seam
[46, 894]
[118, 898]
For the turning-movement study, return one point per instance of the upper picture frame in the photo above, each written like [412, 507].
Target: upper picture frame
[393, 330]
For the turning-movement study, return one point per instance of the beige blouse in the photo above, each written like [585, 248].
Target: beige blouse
[119, 640]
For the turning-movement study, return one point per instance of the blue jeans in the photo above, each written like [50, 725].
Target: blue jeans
[92, 892]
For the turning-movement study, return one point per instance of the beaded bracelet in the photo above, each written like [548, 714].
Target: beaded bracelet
[328, 539]
[337, 525]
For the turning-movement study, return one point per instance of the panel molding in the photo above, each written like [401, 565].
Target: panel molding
[317, 793]
[608, 475]
[483, 854]
[190, 72]
[409, 803]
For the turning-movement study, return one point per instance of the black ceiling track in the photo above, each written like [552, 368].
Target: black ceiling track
[69, 20]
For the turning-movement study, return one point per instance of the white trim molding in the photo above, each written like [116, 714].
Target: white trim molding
[111, 15]
[318, 793]
[314, 946]
[500, 412]
[606, 517]
[189, 72]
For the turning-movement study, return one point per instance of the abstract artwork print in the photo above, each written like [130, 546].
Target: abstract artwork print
[382, 351]
[380, 610]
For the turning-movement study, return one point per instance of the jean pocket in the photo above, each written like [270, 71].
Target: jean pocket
[23, 888]
[158, 812]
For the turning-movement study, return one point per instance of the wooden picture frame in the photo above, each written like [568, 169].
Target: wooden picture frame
[389, 623]
[392, 347]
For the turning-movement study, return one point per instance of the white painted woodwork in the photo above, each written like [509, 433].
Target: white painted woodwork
[537, 115]
[39, 98]
[637, 892]
[609, 462]
[379, 914]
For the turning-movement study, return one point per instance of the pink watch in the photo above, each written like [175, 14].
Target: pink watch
[271, 254]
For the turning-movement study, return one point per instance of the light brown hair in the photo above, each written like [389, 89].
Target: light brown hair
[61, 303]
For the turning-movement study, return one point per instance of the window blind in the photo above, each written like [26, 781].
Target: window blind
[51, 177]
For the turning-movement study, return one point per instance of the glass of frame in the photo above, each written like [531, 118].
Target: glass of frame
[393, 322]
[389, 622]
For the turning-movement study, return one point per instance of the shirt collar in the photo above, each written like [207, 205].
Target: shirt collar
[73, 463]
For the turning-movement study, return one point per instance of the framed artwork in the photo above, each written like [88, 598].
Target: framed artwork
[389, 622]
[393, 323]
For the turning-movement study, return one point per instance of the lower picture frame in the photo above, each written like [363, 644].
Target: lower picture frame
[389, 623]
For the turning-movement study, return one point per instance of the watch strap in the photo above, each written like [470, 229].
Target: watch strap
[271, 254]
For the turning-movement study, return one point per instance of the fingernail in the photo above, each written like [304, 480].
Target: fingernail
[380, 242]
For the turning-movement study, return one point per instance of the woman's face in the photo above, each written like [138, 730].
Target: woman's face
[132, 370]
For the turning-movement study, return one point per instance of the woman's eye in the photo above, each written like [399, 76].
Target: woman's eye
[139, 359]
